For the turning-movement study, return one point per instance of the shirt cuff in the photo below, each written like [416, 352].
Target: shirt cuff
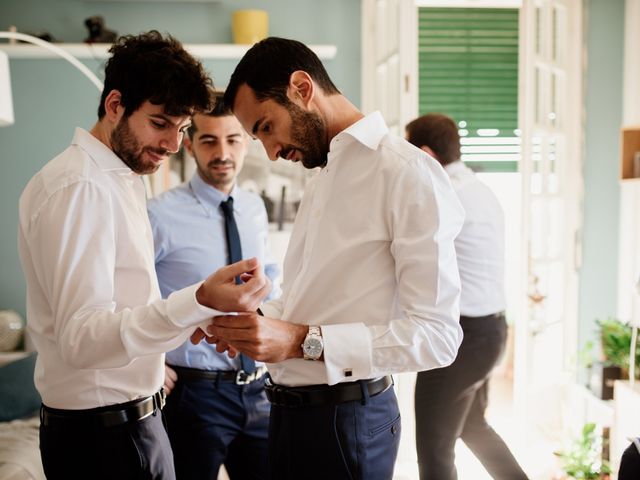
[183, 309]
[270, 311]
[347, 352]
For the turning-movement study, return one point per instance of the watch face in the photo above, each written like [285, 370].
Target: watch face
[313, 347]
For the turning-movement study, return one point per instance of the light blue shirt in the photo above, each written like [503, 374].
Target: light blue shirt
[190, 244]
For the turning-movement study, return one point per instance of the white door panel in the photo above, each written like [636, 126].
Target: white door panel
[550, 121]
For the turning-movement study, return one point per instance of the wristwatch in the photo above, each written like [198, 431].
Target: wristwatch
[313, 345]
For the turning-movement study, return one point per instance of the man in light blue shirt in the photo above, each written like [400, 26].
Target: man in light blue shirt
[216, 413]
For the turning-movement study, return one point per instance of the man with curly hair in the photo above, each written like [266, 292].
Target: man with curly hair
[94, 309]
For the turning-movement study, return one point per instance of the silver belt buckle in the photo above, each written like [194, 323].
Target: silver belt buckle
[159, 399]
[244, 378]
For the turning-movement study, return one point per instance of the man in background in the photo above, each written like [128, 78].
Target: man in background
[217, 411]
[94, 310]
[450, 402]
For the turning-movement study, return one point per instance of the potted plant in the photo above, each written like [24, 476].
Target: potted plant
[615, 339]
[583, 460]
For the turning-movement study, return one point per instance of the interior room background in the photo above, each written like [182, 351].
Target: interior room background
[51, 98]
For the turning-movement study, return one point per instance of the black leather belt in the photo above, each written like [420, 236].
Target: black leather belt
[239, 377]
[321, 395]
[108, 416]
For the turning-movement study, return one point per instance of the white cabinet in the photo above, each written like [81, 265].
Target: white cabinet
[629, 251]
[626, 419]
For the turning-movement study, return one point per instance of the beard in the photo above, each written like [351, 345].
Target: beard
[217, 180]
[126, 146]
[309, 133]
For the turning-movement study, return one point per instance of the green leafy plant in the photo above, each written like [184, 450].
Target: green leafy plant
[616, 343]
[583, 460]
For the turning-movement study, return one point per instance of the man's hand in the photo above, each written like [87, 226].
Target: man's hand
[261, 338]
[170, 379]
[219, 291]
[199, 334]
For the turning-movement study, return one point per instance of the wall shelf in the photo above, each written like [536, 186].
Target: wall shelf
[152, 1]
[100, 51]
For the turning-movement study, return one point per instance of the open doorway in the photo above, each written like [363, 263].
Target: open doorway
[532, 162]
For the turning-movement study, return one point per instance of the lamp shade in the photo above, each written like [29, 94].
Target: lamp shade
[6, 100]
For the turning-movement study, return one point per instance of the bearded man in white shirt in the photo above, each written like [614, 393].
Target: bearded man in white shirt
[450, 402]
[371, 285]
[94, 310]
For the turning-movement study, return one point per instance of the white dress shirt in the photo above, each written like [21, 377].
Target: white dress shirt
[94, 310]
[480, 245]
[371, 260]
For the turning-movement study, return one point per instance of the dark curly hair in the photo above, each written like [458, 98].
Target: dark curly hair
[158, 69]
[267, 66]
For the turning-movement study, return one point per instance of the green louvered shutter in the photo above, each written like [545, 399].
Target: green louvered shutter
[468, 69]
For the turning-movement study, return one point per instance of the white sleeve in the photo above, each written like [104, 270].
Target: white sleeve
[73, 250]
[424, 217]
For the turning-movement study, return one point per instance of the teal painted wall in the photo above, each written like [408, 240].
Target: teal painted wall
[603, 104]
[51, 98]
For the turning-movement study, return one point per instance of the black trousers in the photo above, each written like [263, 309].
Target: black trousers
[356, 440]
[450, 403]
[630, 464]
[131, 451]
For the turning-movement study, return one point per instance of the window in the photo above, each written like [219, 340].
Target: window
[468, 69]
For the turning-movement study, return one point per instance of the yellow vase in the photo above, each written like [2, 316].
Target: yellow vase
[249, 26]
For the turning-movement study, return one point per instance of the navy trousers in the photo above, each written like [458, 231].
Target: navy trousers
[211, 423]
[450, 403]
[130, 451]
[355, 440]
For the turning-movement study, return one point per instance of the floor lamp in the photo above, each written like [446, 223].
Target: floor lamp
[6, 99]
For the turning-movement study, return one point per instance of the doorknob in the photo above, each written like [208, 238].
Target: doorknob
[535, 295]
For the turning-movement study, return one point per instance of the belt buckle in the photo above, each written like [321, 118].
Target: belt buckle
[159, 399]
[244, 378]
[283, 397]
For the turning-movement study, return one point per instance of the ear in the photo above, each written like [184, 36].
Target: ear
[424, 148]
[301, 88]
[186, 141]
[114, 110]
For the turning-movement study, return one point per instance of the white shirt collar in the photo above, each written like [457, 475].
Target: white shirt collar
[456, 167]
[102, 155]
[369, 131]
